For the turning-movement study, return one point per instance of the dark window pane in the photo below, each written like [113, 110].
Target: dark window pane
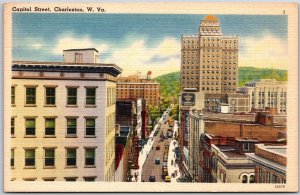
[71, 179]
[30, 157]
[244, 179]
[90, 96]
[71, 157]
[89, 161]
[49, 157]
[12, 126]
[12, 95]
[50, 96]
[89, 179]
[72, 96]
[71, 126]
[30, 126]
[90, 157]
[50, 127]
[12, 158]
[90, 126]
[30, 95]
[71, 161]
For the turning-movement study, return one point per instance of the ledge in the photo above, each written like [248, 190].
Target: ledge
[29, 167]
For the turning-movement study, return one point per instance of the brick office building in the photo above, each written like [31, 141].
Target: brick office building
[270, 163]
[209, 60]
[136, 86]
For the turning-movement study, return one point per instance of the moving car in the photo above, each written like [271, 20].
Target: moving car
[152, 178]
[157, 147]
[157, 161]
[167, 178]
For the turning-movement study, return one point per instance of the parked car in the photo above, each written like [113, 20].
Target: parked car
[152, 178]
[157, 161]
[164, 171]
[165, 158]
[167, 178]
[157, 147]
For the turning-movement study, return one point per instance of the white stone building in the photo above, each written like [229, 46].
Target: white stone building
[267, 93]
[63, 119]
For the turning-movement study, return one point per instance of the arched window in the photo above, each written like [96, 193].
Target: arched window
[252, 179]
[245, 179]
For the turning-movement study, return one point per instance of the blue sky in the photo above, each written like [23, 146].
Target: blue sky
[141, 42]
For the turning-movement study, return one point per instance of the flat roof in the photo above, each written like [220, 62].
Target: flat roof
[81, 49]
[35, 66]
[265, 161]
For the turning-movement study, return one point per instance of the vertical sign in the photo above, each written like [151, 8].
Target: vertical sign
[186, 127]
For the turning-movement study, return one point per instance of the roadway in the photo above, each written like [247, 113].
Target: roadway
[150, 168]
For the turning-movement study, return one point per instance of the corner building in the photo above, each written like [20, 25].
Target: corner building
[63, 119]
[209, 60]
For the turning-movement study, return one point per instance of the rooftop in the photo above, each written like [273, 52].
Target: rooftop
[265, 161]
[81, 49]
[230, 152]
[279, 149]
[66, 67]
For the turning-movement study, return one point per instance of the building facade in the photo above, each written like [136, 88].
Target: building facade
[270, 163]
[191, 151]
[139, 87]
[267, 93]
[262, 125]
[123, 152]
[209, 60]
[229, 163]
[129, 113]
[234, 102]
[62, 129]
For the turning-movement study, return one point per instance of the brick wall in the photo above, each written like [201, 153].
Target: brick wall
[254, 131]
[271, 156]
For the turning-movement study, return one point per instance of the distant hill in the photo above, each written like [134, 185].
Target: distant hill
[247, 74]
[169, 83]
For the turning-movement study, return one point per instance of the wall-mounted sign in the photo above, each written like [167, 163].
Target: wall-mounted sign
[188, 99]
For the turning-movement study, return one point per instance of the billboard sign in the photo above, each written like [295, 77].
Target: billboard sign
[188, 99]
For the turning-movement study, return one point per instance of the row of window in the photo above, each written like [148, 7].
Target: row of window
[210, 50]
[110, 96]
[267, 177]
[50, 95]
[110, 123]
[217, 89]
[50, 156]
[282, 94]
[49, 126]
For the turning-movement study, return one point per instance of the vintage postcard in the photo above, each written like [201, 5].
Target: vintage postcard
[151, 97]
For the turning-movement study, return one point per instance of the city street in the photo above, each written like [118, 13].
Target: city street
[150, 168]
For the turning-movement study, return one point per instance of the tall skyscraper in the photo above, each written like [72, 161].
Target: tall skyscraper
[209, 60]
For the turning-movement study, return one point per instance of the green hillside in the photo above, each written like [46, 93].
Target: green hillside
[247, 74]
[169, 83]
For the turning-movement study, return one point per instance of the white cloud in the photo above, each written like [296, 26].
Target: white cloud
[263, 52]
[36, 46]
[138, 57]
[29, 43]
[71, 42]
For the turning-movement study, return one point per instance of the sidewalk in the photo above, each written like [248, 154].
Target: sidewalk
[145, 151]
[174, 167]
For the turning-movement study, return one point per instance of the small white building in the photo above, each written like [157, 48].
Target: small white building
[63, 119]
[223, 108]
